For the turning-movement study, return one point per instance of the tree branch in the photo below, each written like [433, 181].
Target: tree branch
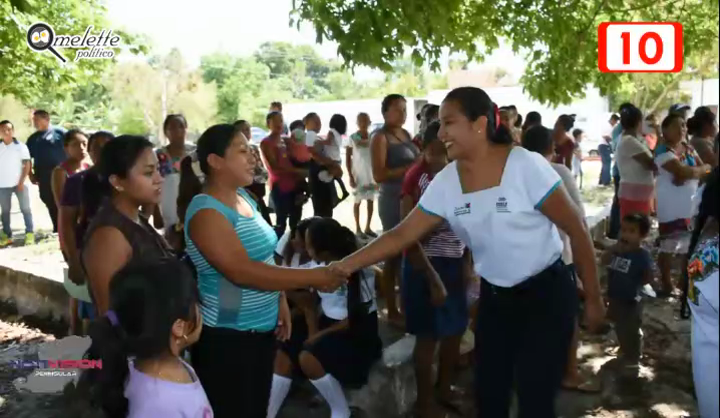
[676, 80]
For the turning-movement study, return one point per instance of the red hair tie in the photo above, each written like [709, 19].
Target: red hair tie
[497, 115]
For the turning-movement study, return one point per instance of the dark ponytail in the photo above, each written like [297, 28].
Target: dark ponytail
[145, 301]
[708, 209]
[474, 103]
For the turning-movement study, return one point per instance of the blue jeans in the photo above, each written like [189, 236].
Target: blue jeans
[23, 197]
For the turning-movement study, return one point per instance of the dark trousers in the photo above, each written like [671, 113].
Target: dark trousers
[614, 228]
[626, 317]
[524, 335]
[321, 193]
[235, 368]
[286, 209]
[44, 180]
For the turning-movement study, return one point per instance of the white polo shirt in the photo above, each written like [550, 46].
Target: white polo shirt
[11, 162]
[510, 239]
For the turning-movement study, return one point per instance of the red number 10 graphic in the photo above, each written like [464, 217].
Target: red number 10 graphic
[640, 47]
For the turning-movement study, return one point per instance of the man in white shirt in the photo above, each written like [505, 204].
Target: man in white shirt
[14, 170]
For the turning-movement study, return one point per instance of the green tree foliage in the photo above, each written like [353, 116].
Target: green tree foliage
[557, 37]
[33, 77]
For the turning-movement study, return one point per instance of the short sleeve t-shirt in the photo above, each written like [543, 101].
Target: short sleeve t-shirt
[510, 239]
[626, 272]
[332, 150]
[442, 242]
[674, 202]
[150, 397]
[225, 304]
[631, 171]
[12, 157]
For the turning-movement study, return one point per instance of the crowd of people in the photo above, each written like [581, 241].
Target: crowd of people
[201, 304]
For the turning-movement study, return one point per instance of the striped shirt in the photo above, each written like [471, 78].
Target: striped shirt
[442, 242]
[225, 304]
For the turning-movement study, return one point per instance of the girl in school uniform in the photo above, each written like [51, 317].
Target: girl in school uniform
[347, 344]
[506, 204]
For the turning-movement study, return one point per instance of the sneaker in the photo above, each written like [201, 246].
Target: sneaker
[4, 240]
[29, 238]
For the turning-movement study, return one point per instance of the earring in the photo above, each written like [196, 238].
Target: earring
[119, 189]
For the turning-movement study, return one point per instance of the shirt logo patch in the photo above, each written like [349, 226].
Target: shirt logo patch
[502, 205]
[462, 210]
[620, 264]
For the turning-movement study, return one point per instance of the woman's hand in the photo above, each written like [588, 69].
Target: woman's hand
[333, 278]
[284, 323]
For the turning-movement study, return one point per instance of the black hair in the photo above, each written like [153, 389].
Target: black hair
[533, 118]
[240, 122]
[339, 123]
[389, 100]
[512, 107]
[625, 105]
[669, 119]
[276, 105]
[98, 135]
[708, 209]
[432, 110]
[640, 220]
[519, 121]
[703, 116]
[309, 116]
[271, 115]
[300, 228]
[146, 300]
[41, 113]
[474, 103]
[296, 124]
[431, 133]
[630, 117]
[215, 140]
[538, 139]
[567, 122]
[577, 132]
[363, 114]
[70, 135]
[174, 116]
[327, 236]
[7, 122]
[614, 116]
[116, 159]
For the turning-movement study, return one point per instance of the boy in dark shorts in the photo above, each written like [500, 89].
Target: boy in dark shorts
[629, 269]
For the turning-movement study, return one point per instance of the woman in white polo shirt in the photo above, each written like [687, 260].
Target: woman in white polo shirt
[506, 204]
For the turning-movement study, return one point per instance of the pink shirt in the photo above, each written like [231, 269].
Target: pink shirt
[285, 181]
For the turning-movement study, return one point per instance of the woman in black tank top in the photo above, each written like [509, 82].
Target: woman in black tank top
[119, 234]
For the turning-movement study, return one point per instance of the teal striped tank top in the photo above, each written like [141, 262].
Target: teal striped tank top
[225, 304]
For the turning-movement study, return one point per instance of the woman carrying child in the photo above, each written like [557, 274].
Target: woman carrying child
[347, 344]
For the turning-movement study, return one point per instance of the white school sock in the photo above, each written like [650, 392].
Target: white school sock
[331, 390]
[278, 393]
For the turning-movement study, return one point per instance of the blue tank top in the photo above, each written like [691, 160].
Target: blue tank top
[225, 304]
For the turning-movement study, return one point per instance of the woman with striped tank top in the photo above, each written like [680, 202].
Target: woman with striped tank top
[231, 247]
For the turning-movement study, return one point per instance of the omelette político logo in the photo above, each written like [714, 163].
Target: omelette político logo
[41, 37]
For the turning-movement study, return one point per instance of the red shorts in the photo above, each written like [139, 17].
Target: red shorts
[635, 206]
